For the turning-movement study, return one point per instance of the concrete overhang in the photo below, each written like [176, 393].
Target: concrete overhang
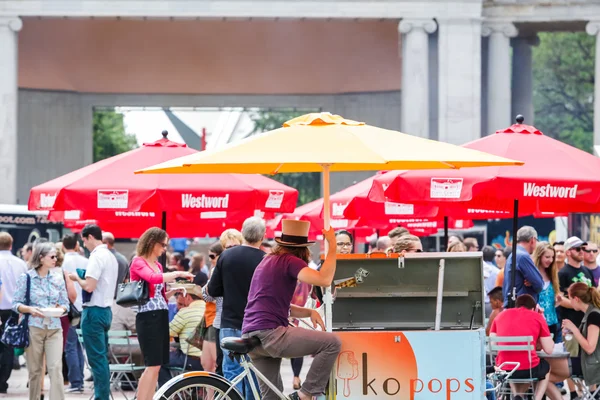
[387, 9]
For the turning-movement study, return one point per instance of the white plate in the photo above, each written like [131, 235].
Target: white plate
[52, 312]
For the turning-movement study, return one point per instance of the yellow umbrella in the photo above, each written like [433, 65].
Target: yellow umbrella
[322, 142]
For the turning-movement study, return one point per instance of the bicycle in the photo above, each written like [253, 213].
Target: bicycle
[187, 386]
[500, 377]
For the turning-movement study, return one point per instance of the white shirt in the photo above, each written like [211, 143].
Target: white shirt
[72, 262]
[11, 268]
[103, 267]
[490, 272]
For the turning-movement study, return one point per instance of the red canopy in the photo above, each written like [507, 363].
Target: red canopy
[556, 179]
[354, 203]
[353, 210]
[111, 185]
[131, 224]
[363, 227]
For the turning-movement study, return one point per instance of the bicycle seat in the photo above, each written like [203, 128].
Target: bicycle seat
[240, 345]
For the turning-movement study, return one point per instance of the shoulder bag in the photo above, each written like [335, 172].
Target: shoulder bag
[131, 294]
[16, 331]
[74, 314]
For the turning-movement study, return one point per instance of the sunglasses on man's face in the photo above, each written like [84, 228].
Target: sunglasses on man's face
[577, 249]
[590, 250]
[212, 256]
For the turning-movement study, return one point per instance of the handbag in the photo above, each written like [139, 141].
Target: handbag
[16, 331]
[74, 314]
[131, 294]
[196, 339]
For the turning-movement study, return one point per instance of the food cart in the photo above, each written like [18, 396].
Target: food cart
[411, 327]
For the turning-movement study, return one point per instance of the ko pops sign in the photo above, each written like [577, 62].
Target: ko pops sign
[411, 365]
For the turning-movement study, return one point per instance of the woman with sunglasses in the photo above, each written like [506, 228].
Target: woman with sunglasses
[47, 290]
[152, 319]
[212, 355]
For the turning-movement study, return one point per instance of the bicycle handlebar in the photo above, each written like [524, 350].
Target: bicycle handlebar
[505, 374]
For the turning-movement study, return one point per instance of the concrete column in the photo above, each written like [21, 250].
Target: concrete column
[9, 27]
[459, 49]
[522, 78]
[498, 74]
[414, 114]
[593, 28]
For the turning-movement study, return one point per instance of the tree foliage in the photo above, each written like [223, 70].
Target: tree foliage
[308, 184]
[563, 73]
[110, 137]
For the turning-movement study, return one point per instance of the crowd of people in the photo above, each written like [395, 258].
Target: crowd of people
[229, 300]
[555, 301]
[256, 288]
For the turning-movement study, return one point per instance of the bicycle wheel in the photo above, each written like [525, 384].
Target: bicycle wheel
[200, 388]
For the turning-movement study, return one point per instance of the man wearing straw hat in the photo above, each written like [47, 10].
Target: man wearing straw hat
[269, 307]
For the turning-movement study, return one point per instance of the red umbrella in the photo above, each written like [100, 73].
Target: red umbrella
[354, 203]
[556, 179]
[131, 224]
[109, 186]
[312, 212]
[352, 210]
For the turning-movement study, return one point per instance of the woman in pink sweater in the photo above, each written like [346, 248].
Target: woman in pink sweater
[152, 319]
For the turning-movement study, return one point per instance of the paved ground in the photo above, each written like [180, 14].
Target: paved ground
[18, 384]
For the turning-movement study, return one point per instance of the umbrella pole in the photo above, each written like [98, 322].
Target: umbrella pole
[326, 224]
[445, 233]
[163, 224]
[513, 276]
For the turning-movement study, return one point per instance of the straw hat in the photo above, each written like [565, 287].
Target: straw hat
[294, 233]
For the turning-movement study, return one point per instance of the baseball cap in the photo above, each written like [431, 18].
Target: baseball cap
[574, 241]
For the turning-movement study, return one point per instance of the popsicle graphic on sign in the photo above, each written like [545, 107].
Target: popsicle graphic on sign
[347, 369]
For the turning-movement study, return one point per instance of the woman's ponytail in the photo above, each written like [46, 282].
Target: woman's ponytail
[595, 296]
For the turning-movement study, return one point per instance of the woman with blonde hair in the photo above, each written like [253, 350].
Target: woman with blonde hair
[544, 259]
[586, 299]
[457, 247]
[230, 238]
[152, 319]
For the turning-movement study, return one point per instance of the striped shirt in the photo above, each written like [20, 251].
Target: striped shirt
[184, 323]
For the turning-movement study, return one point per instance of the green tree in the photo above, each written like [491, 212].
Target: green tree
[308, 184]
[110, 137]
[563, 73]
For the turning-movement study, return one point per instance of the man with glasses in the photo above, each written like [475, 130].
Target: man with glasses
[528, 279]
[590, 254]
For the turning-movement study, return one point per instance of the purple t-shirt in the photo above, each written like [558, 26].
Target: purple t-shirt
[271, 292]
[596, 273]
